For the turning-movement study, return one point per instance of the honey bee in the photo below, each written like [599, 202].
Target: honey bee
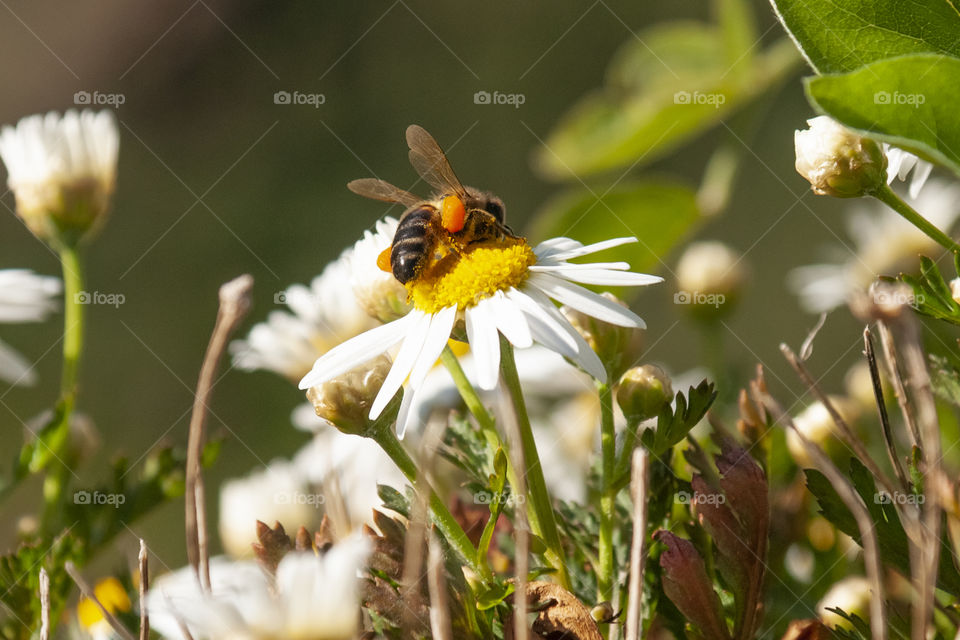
[434, 230]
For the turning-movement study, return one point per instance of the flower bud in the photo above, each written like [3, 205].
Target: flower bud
[377, 292]
[852, 594]
[345, 401]
[62, 171]
[710, 278]
[618, 347]
[955, 290]
[643, 392]
[838, 162]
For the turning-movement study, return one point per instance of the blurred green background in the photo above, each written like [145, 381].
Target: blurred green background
[216, 180]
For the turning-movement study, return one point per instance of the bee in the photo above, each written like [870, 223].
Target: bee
[440, 228]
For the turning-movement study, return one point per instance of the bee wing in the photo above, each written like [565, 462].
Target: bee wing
[428, 159]
[379, 190]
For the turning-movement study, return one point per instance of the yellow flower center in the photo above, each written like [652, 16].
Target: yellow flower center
[475, 274]
[111, 595]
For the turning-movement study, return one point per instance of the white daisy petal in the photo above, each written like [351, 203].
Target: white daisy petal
[552, 246]
[585, 301]
[544, 328]
[357, 350]
[550, 264]
[920, 175]
[14, 368]
[605, 277]
[441, 324]
[584, 356]
[510, 321]
[484, 343]
[403, 364]
[591, 248]
[405, 417]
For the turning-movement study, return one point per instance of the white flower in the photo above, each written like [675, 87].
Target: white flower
[62, 169]
[377, 291]
[852, 594]
[505, 289]
[24, 297]
[324, 314]
[277, 493]
[347, 468]
[884, 244]
[899, 165]
[313, 598]
[837, 161]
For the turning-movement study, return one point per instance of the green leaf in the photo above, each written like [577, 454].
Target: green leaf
[659, 213]
[667, 85]
[931, 293]
[945, 379]
[494, 595]
[910, 101]
[673, 425]
[842, 35]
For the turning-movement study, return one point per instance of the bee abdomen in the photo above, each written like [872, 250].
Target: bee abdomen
[409, 250]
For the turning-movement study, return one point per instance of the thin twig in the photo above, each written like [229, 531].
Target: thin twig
[234, 304]
[508, 418]
[88, 593]
[882, 409]
[143, 564]
[44, 605]
[440, 626]
[843, 429]
[638, 488]
[853, 502]
[893, 370]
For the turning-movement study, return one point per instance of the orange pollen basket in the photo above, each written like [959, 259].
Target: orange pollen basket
[452, 214]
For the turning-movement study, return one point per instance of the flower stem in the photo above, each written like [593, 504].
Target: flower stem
[542, 519]
[444, 520]
[608, 452]
[887, 196]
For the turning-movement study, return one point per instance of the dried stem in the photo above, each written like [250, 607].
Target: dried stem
[89, 595]
[440, 627]
[234, 304]
[638, 488]
[893, 371]
[44, 605]
[143, 564]
[511, 427]
[882, 409]
[849, 496]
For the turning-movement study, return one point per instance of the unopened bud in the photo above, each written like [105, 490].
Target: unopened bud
[345, 401]
[602, 612]
[955, 290]
[838, 162]
[852, 594]
[710, 278]
[618, 347]
[644, 392]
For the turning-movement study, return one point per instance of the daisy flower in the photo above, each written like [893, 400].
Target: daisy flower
[313, 597]
[24, 297]
[884, 244]
[502, 286]
[61, 169]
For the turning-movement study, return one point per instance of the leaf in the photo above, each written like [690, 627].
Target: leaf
[667, 85]
[673, 425]
[842, 35]
[659, 213]
[910, 102]
[494, 595]
[931, 293]
[945, 379]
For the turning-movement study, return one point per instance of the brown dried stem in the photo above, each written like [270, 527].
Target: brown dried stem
[638, 488]
[882, 409]
[143, 564]
[44, 605]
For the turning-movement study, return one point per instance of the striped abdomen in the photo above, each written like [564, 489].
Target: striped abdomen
[412, 243]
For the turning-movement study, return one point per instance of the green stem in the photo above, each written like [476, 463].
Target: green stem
[629, 442]
[887, 196]
[540, 509]
[608, 452]
[446, 523]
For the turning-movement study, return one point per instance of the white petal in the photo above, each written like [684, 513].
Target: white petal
[441, 325]
[484, 344]
[583, 355]
[550, 264]
[555, 245]
[405, 417]
[510, 321]
[920, 175]
[591, 248]
[14, 368]
[544, 328]
[406, 358]
[604, 277]
[585, 301]
[357, 350]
